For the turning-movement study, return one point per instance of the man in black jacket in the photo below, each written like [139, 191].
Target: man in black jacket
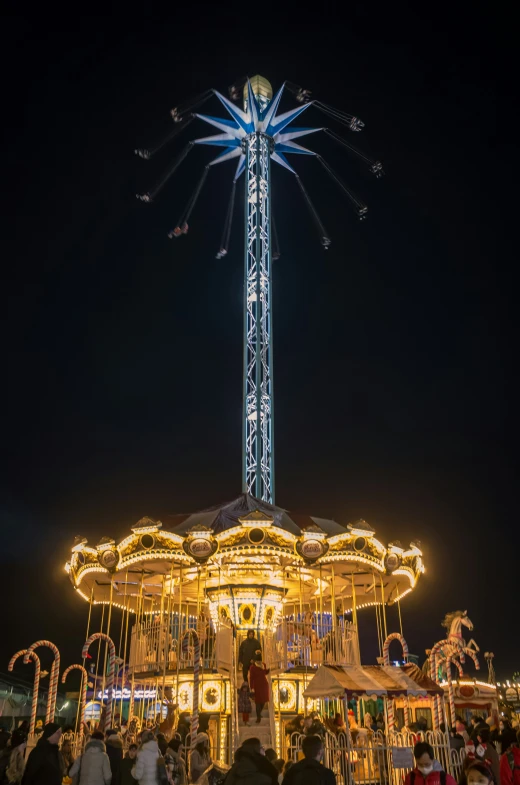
[247, 652]
[44, 762]
[310, 770]
[114, 748]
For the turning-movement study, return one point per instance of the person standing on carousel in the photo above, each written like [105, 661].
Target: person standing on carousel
[247, 652]
[259, 684]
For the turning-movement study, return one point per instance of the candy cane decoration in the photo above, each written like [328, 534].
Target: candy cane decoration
[451, 692]
[36, 687]
[111, 671]
[83, 698]
[395, 636]
[53, 679]
[196, 677]
[473, 656]
[455, 662]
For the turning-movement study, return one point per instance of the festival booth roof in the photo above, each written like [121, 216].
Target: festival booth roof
[370, 682]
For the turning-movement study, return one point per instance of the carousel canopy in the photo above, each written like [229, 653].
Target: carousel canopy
[370, 682]
[226, 516]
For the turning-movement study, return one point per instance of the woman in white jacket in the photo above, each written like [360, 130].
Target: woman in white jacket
[146, 769]
[93, 766]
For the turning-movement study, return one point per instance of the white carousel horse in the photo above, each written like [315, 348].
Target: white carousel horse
[454, 622]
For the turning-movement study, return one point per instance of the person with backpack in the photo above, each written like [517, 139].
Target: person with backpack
[310, 770]
[425, 771]
[93, 767]
[510, 764]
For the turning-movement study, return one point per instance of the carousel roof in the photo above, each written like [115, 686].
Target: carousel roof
[221, 517]
[245, 543]
[369, 681]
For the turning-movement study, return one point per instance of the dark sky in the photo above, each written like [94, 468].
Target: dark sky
[122, 349]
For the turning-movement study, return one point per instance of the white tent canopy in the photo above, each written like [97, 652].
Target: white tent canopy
[370, 682]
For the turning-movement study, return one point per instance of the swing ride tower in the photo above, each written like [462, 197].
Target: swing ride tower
[256, 134]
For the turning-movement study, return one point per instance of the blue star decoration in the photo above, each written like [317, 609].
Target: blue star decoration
[259, 117]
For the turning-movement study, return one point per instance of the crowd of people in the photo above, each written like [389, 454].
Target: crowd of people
[152, 761]
[491, 753]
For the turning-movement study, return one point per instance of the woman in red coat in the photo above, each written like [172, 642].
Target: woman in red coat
[259, 685]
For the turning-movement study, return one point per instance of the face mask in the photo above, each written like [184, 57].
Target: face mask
[425, 770]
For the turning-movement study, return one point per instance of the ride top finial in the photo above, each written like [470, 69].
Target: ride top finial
[262, 91]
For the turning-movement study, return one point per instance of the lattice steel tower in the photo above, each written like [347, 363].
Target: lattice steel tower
[257, 135]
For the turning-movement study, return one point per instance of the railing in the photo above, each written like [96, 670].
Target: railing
[368, 758]
[160, 643]
[311, 641]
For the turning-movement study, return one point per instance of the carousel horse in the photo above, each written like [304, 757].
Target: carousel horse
[453, 622]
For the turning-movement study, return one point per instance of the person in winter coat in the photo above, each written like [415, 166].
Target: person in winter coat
[310, 770]
[114, 746]
[43, 765]
[200, 758]
[174, 763]
[425, 771]
[93, 767]
[247, 652]
[127, 765]
[506, 735]
[510, 764]
[244, 702]
[460, 727]
[146, 769]
[486, 753]
[15, 769]
[476, 724]
[251, 766]
[259, 685]
[477, 774]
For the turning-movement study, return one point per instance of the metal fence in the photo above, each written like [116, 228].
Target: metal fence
[368, 758]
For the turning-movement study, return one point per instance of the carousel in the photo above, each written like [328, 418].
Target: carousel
[175, 598]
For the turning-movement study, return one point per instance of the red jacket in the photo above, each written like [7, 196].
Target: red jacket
[433, 778]
[510, 775]
[258, 683]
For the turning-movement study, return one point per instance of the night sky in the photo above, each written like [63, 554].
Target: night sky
[122, 350]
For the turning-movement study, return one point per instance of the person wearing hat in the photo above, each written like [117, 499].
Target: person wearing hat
[43, 765]
[200, 758]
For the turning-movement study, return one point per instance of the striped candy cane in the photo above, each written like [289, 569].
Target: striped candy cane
[111, 671]
[434, 661]
[196, 678]
[395, 636]
[36, 687]
[83, 698]
[455, 662]
[451, 692]
[53, 679]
